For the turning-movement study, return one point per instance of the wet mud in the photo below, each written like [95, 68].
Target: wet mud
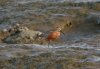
[79, 48]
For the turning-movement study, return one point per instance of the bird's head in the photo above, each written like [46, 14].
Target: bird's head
[58, 29]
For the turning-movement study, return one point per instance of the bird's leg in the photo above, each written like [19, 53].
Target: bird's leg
[48, 43]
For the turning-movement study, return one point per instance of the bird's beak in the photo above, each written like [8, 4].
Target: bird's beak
[62, 33]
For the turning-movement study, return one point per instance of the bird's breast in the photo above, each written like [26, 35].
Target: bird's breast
[53, 35]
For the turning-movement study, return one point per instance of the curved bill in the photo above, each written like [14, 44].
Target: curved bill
[62, 33]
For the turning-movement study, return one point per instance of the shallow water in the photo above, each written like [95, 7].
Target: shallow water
[11, 50]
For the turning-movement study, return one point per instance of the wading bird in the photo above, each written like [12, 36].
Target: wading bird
[55, 34]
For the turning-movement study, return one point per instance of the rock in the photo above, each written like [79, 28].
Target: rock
[23, 35]
[21, 29]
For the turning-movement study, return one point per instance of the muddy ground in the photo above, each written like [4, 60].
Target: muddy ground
[79, 48]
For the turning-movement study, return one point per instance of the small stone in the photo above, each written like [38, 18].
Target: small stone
[31, 38]
[40, 33]
[17, 25]
[25, 28]
[4, 30]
